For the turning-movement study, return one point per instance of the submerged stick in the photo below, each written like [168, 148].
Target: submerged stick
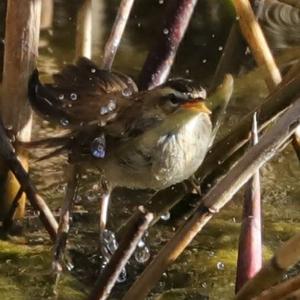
[132, 235]
[8, 154]
[250, 247]
[114, 39]
[160, 59]
[286, 256]
[217, 197]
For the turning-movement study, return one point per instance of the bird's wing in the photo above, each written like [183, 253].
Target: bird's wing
[81, 94]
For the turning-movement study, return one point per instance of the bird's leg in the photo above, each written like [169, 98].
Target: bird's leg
[103, 204]
[194, 182]
[65, 213]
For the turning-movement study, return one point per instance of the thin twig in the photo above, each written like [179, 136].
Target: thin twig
[65, 214]
[8, 153]
[134, 232]
[114, 39]
[217, 197]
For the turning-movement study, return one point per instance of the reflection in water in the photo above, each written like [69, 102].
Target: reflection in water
[208, 266]
[281, 24]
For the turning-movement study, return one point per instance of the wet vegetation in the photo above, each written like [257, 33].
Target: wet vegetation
[207, 267]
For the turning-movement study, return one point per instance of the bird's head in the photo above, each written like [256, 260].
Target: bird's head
[181, 93]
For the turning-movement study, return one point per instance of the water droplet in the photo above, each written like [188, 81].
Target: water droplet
[127, 92]
[123, 276]
[64, 122]
[141, 244]
[73, 96]
[166, 31]
[139, 24]
[61, 97]
[204, 60]
[104, 110]
[166, 216]
[160, 1]
[110, 243]
[213, 35]
[142, 254]
[78, 199]
[91, 196]
[220, 265]
[112, 105]
[93, 70]
[98, 147]
[204, 285]
[220, 48]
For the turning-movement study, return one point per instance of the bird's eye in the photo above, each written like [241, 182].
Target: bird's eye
[173, 99]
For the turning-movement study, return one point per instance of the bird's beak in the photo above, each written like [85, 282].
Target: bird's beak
[197, 105]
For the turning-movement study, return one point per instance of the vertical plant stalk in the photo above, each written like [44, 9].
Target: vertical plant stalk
[116, 33]
[132, 235]
[250, 248]
[285, 256]
[160, 59]
[84, 30]
[216, 199]
[21, 50]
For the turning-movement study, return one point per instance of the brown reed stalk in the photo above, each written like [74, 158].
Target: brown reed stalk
[21, 48]
[116, 33]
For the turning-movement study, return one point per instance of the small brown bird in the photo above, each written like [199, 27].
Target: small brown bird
[140, 140]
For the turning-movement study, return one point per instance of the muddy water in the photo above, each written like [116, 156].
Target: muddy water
[207, 267]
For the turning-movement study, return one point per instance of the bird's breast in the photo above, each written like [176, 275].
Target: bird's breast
[163, 156]
[180, 152]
